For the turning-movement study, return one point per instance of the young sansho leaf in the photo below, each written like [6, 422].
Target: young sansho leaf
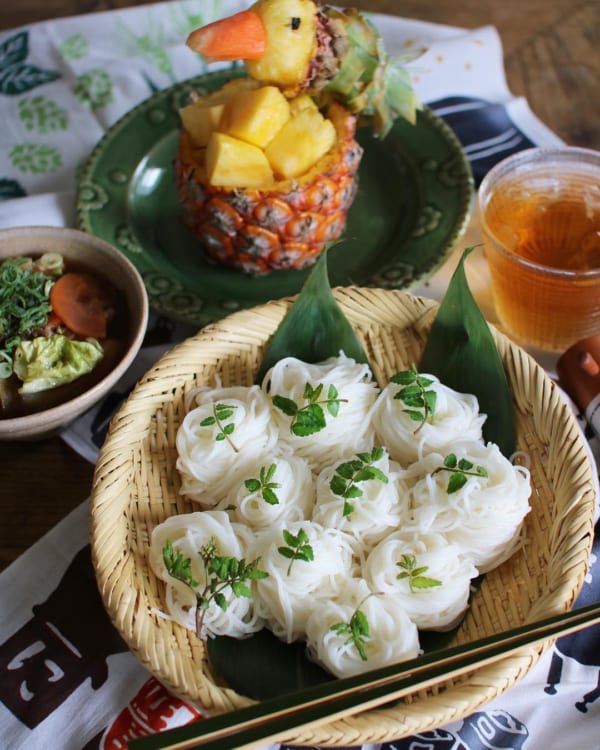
[414, 574]
[419, 402]
[309, 418]
[264, 485]
[459, 470]
[356, 630]
[297, 548]
[349, 474]
[220, 573]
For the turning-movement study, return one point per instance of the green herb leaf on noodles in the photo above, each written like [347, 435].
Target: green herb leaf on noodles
[462, 352]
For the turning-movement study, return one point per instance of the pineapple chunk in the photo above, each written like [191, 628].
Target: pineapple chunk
[291, 27]
[203, 116]
[255, 116]
[200, 121]
[304, 101]
[235, 163]
[300, 143]
[229, 89]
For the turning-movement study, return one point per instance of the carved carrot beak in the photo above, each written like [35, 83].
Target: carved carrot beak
[238, 37]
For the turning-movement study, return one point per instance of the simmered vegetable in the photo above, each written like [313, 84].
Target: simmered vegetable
[57, 323]
[82, 303]
[47, 362]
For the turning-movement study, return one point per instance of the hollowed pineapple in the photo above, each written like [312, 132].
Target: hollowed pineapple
[283, 224]
[276, 179]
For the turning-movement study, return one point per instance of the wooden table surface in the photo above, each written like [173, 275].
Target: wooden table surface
[551, 58]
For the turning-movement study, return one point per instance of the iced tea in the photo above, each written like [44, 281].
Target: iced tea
[540, 217]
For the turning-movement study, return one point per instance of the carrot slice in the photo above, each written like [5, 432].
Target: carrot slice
[238, 37]
[82, 303]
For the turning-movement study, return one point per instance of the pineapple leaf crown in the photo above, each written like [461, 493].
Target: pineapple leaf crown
[368, 81]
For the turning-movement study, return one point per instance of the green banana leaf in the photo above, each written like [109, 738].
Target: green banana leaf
[262, 666]
[314, 328]
[462, 352]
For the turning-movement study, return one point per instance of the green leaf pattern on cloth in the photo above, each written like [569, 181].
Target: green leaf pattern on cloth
[153, 44]
[74, 47]
[16, 74]
[94, 88]
[36, 158]
[150, 46]
[97, 74]
[42, 115]
[11, 189]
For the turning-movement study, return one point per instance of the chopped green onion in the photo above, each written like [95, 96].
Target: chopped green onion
[24, 306]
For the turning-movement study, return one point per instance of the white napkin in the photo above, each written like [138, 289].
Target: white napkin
[46, 209]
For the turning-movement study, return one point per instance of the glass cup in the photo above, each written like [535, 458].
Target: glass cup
[539, 211]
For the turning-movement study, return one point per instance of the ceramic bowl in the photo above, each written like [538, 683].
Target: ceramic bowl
[93, 253]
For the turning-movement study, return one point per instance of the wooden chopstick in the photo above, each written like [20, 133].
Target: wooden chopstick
[276, 719]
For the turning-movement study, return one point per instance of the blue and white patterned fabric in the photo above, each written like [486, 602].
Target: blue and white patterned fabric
[485, 130]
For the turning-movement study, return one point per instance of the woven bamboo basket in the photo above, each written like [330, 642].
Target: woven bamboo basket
[136, 486]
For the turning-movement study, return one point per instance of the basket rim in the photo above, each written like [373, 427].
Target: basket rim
[130, 427]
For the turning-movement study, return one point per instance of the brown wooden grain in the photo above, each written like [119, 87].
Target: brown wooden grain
[40, 482]
[551, 58]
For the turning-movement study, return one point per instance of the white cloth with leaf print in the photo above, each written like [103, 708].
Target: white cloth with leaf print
[63, 83]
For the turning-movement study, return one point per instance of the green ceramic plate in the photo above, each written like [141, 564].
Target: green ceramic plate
[413, 202]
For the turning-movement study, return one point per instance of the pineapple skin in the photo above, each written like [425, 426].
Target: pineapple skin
[284, 226]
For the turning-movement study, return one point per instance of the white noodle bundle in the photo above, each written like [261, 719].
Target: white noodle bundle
[209, 466]
[456, 417]
[433, 607]
[393, 636]
[379, 510]
[484, 517]
[295, 495]
[346, 433]
[189, 533]
[411, 517]
[286, 598]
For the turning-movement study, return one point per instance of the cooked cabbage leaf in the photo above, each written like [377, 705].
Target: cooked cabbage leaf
[45, 363]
